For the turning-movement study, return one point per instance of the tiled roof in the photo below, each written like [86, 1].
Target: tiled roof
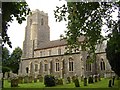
[55, 43]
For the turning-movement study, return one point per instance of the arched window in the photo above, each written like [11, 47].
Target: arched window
[45, 65]
[88, 64]
[36, 67]
[102, 65]
[57, 65]
[27, 69]
[42, 21]
[71, 64]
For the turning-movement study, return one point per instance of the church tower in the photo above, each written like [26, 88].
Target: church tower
[37, 31]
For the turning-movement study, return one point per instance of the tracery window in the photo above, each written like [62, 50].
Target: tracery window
[71, 64]
[102, 65]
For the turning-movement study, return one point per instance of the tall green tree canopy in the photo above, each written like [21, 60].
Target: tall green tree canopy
[87, 19]
[5, 56]
[19, 10]
[11, 61]
[5, 60]
[15, 59]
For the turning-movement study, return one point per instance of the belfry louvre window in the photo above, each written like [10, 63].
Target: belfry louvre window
[102, 65]
[57, 66]
[71, 63]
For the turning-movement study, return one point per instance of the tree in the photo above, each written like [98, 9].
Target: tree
[113, 51]
[5, 60]
[87, 19]
[19, 10]
[15, 59]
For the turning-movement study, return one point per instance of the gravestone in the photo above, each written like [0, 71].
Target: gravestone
[95, 78]
[113, 80]
[35, 80]
[26, 79]
[20, 79]
[76, 81]
[85, 81]
[68, 79]
[110, 83]
[82, 78]
[6, 75]
[14, 82]
[40, 77]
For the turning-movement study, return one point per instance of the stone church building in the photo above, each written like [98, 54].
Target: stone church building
[42, 56]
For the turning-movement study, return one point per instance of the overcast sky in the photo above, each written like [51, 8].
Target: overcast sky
[16, 31]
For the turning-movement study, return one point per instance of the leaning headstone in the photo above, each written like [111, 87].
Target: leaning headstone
[26, 79]
[35, 80]
[6, 75]
[73, 78]
[30, 79]
[20, 79]
[95, 78]
[90, 80]
[68, 79]
[99, 77]
[14, 82]
[113, 80]
[82, 78]
[110, 83]
[40, 77]
[76, 81]
[85, 81]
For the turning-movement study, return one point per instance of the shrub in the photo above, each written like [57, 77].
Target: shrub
[49, 80]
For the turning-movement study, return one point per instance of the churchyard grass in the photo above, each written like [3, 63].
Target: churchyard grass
[100, 84]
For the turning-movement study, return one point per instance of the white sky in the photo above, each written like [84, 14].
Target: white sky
[16, 31]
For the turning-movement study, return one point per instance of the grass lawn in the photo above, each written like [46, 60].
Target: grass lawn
[100, 84]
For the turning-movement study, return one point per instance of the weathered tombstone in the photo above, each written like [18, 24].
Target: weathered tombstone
[14, 82]
[40, 77]
[113, 80]
[26, 79]
[95, 78]
[20, 79]
[82, 78]
[6, 75]
[90, 80]
[30, 79]
[35, 80]
[85, 81]
[76, 81]
[68, 79]
[73, 78]
[110, 83]
[99, 77]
